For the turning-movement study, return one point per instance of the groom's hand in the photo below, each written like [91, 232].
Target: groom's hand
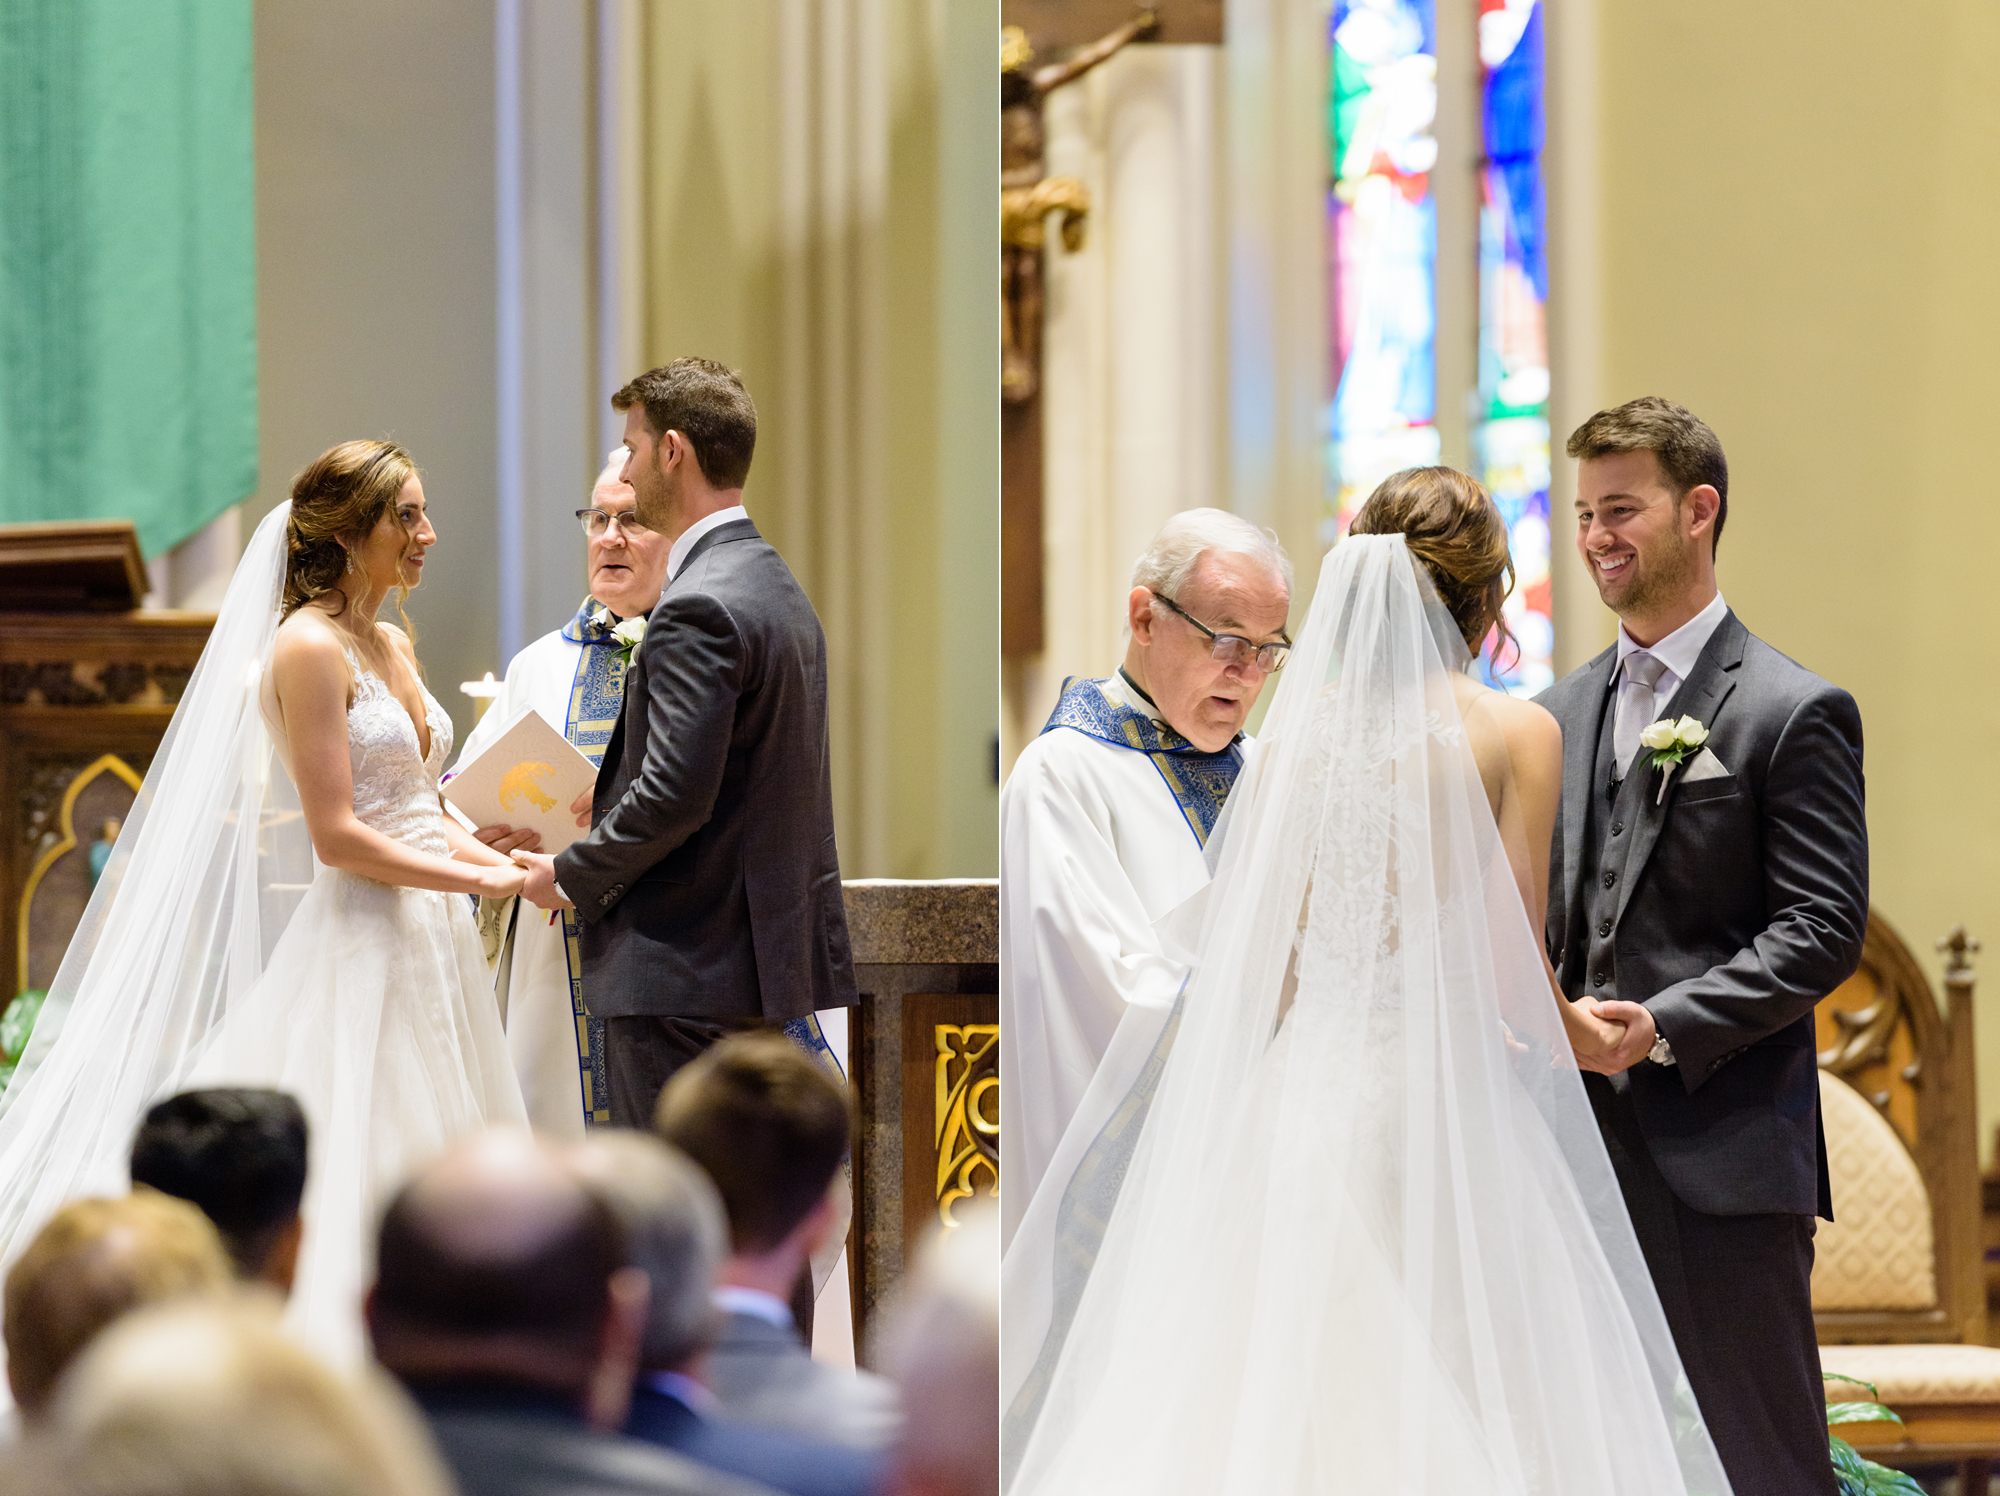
[541, 890]
[1634, 1047]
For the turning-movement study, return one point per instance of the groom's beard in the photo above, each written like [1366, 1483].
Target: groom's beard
[1658, 578]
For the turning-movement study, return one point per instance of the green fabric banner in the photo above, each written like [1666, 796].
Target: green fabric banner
[128, 316]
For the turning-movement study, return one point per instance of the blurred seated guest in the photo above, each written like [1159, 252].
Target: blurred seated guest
[676, 1233]
[503, 1303]
[94, 1261]
[770, 1126]
[942, 1345]
[211, 1397]
[239, 1154]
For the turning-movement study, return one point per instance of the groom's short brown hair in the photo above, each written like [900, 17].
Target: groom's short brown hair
[769, 1124]
[706, 403]
[1688, 452]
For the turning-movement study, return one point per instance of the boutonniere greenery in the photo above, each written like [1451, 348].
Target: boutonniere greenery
[1672, 742]
[628, 634]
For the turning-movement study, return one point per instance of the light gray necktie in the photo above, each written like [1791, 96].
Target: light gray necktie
[1635, 706]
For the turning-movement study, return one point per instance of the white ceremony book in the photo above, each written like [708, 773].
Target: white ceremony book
[529, 777]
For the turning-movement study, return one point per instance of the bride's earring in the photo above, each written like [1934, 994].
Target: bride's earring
[350, 562]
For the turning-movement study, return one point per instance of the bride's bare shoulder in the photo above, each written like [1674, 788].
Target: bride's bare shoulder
[1529, 731]
[308, 644]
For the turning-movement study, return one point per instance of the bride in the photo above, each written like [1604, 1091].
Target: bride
[1368, 1237]
[313, 939]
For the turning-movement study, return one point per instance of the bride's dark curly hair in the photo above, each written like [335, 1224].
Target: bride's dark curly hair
[340, 498]
[1452, 525]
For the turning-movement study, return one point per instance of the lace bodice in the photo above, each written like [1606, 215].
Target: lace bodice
[395, 786]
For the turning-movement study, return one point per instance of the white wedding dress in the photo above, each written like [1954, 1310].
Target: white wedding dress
[217, 951]
[1368, 1237]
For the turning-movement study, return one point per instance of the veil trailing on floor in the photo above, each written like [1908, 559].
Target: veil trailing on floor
[1369, 1237]
[205, 873]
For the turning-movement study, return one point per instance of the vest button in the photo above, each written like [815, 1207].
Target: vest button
[1609, 877]
[1597, 979]
[1604, 927]
[1617, 828]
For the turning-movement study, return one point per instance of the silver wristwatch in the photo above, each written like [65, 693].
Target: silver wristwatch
[1662, 1053]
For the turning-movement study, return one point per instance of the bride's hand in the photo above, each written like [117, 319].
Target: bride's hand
[502, 882]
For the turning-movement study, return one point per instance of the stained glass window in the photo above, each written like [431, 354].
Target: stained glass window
[1383, 239]
[1511, 442]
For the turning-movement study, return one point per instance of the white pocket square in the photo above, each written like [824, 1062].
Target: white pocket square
[1704, 766]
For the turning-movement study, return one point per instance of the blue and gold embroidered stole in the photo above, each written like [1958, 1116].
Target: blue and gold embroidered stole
[1199, 782]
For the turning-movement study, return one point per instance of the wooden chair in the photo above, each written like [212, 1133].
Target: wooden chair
[1899, 1286]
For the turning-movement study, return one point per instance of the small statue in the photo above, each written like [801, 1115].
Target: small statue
[1028, 198]
[101, 849]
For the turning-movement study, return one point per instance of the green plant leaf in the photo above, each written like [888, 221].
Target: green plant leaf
[1860, 1412]
[1859, 1477]
[1834, 1376]
[18, 1022]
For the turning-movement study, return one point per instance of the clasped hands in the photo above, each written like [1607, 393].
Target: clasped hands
[1624, 1032]
[524, 847]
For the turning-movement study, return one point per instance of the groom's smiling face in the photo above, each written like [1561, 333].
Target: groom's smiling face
[1647, 547]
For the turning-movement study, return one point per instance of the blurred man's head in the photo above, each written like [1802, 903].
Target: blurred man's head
[675, 1232]
[770, 1125]
[239, 1155]
[94, 1261]
[497, 1264]
[1207, 594]
[942, 1345]
[201, 1398]
[627, 562]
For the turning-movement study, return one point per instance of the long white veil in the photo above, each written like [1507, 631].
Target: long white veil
[1369, 1236]
[205, 873]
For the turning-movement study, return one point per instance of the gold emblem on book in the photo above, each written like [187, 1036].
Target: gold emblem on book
[526, 781]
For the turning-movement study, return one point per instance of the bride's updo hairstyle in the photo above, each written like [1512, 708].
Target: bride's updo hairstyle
[1451, 524]
[342, 496]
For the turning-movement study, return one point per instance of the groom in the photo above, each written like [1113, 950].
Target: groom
[708, 891]
[1708, 904]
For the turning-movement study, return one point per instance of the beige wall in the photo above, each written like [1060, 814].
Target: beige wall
[1796, 216]
[821, 214]
[375, 290]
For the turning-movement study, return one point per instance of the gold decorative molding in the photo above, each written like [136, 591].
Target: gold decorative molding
[109, 763]
[967, 1137]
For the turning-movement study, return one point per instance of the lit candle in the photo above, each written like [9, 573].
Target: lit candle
[482, 693]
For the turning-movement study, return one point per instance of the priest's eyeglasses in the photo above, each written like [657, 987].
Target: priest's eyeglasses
[1234, 649]
[597, 521]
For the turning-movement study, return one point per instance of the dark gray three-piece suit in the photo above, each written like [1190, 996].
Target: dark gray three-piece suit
[708, 891]
[1729, 910]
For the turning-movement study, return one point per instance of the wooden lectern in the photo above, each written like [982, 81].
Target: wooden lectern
[88, 681]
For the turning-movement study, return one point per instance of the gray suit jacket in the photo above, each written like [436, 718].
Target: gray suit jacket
[1743, 902]
[709, 886]
[762, 1375]
[506, 1441]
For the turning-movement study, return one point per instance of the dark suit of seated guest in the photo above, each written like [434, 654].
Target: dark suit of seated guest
[770, 1126]
[675, 1232]
[503, 1303]
[237, 1154]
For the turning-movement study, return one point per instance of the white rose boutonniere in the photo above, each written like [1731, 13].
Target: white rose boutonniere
[628, 634]
[1671, 742]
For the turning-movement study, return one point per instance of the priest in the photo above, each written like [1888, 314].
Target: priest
[1104, 819]
[575, 677]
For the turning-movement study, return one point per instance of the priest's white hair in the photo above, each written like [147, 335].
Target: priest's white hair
[1172, 555]
[614, 464]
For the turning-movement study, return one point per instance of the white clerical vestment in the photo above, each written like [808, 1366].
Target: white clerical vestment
[1097, 843]
[552, 1047]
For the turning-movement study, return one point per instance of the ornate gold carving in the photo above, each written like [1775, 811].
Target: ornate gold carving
[109, 763]
[967, 1136]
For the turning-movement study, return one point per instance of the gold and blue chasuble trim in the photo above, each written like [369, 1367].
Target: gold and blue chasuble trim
[596, 695]
[1199, 782]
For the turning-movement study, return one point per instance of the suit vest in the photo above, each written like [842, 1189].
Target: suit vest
[1615, 807]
